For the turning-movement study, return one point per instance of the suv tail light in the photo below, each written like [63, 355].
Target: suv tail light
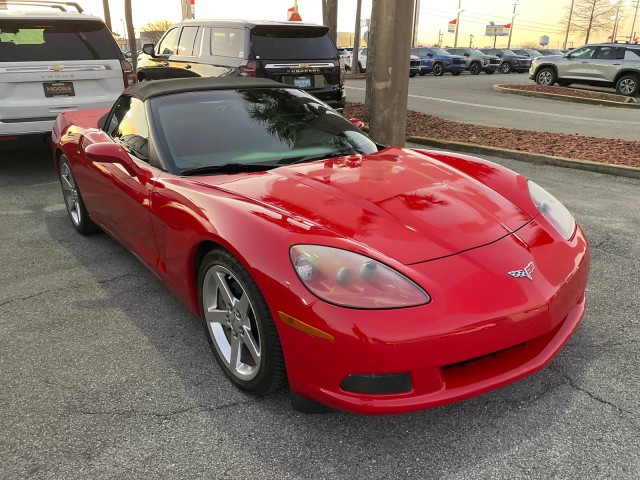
[127, 73]
[341, 70]
[248, 70]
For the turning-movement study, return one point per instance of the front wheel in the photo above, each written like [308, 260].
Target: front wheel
[73, 200]
[474, 69]
[505, 67]
[546, 76]
[238, 325]
[628, 85]
[360, 69]
[438, 70]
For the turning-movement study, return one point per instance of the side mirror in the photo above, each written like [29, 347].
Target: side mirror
[499, 55]
[149, 48]
[467, 54]
[429, 54]
[112, 153]
[568, 55]
[356, 122]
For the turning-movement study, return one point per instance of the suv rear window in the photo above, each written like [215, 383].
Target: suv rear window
[308, 43]
[43, 40]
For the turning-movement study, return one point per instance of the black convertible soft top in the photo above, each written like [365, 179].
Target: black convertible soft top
[156, 88]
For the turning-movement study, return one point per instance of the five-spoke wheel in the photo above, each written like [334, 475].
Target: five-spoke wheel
[73, 200]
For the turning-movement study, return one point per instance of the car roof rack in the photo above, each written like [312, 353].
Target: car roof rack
[62, 6]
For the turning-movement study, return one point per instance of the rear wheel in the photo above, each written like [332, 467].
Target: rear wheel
[438, 70]
[628, 85]
[505, 67]
[474, 68]
[546, 76]
[238, 325]
[73, 200]
[360, 69]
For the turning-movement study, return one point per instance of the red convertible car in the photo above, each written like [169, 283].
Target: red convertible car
[370, 278]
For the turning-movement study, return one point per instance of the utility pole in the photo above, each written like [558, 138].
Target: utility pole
[513, 21]
[439, 38]
[615, 22]
[416, 20]
[455, 38]
[566, 35]
[390, 71]
[356, 38]
[632, 35]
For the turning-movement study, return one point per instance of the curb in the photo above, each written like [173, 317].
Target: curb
[567, 98]
[618, 170]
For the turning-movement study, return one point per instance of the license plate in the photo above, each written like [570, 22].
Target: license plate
[58, 89]
[302, 82]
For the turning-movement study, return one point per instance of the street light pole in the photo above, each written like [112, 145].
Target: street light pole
[566, 36]
[633, 24]
[471, 41]
[513, 20]
[455, 38]
[615, 22]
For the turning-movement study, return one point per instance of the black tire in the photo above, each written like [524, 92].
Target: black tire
[73, 200]
[628, 85]
[360, 69]
[455, 74]
[489, 72]
[546, 76]
[505, 67]
[437, 69]
[247, 323]
[474, 68]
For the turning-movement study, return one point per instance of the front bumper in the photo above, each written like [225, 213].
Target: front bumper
[483, 328]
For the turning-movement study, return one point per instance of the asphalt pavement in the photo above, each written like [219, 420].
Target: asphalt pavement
[104, 374]
[471, 99]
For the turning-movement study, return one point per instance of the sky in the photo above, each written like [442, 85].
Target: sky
[534, 18]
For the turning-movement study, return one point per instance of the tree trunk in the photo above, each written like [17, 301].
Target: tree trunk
[133, 47]
[330, 18]
[390, 71]
[107, 14]
[356, 38]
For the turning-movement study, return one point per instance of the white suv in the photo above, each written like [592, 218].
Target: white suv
[54, 61]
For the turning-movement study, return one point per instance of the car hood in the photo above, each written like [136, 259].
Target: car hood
[404, 204]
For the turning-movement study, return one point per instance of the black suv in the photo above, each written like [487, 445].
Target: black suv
[299, 54]
[509, 61]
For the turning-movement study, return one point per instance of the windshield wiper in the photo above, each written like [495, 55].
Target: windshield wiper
[318, 156]
[228, 168]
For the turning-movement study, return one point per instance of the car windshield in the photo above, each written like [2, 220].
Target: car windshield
[476, 53]
[251, 127]
[507, 53]
[440, 51]
[533, 53]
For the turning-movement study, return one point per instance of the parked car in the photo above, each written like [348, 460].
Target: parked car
[526, 52]
[476, 61]
[294, 53]
[613, 65]
[370, 278]
[414, 62]
[509, 61]
[438, 61]
[345, 55]
[550, 51]
[54, 60]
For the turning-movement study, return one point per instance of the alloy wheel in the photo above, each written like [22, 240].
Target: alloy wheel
[70, 194]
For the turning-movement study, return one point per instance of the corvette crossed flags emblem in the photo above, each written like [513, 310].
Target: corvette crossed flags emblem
[525, 272]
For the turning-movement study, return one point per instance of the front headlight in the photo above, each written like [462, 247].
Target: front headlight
[554, 211]
[352, 280]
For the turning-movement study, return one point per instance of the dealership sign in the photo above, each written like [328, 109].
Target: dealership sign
[498, 30]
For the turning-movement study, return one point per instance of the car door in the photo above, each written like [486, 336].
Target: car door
[606, 62]
[117, 199]
[184, 61]
[578, 64]
[158, 66]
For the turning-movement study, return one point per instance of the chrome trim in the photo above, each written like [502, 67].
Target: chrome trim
[298, 65]
[48, 69]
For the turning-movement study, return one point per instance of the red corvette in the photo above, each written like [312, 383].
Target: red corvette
[372, 279]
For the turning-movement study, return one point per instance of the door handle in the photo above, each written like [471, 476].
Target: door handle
[584, 62]
[616, 64]
[165, 64]
[187, 66]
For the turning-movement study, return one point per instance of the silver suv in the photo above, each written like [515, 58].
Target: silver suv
[615, 65]
[53, 61]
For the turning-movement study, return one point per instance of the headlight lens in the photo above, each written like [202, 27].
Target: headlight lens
[348, 279]
[554, 211]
